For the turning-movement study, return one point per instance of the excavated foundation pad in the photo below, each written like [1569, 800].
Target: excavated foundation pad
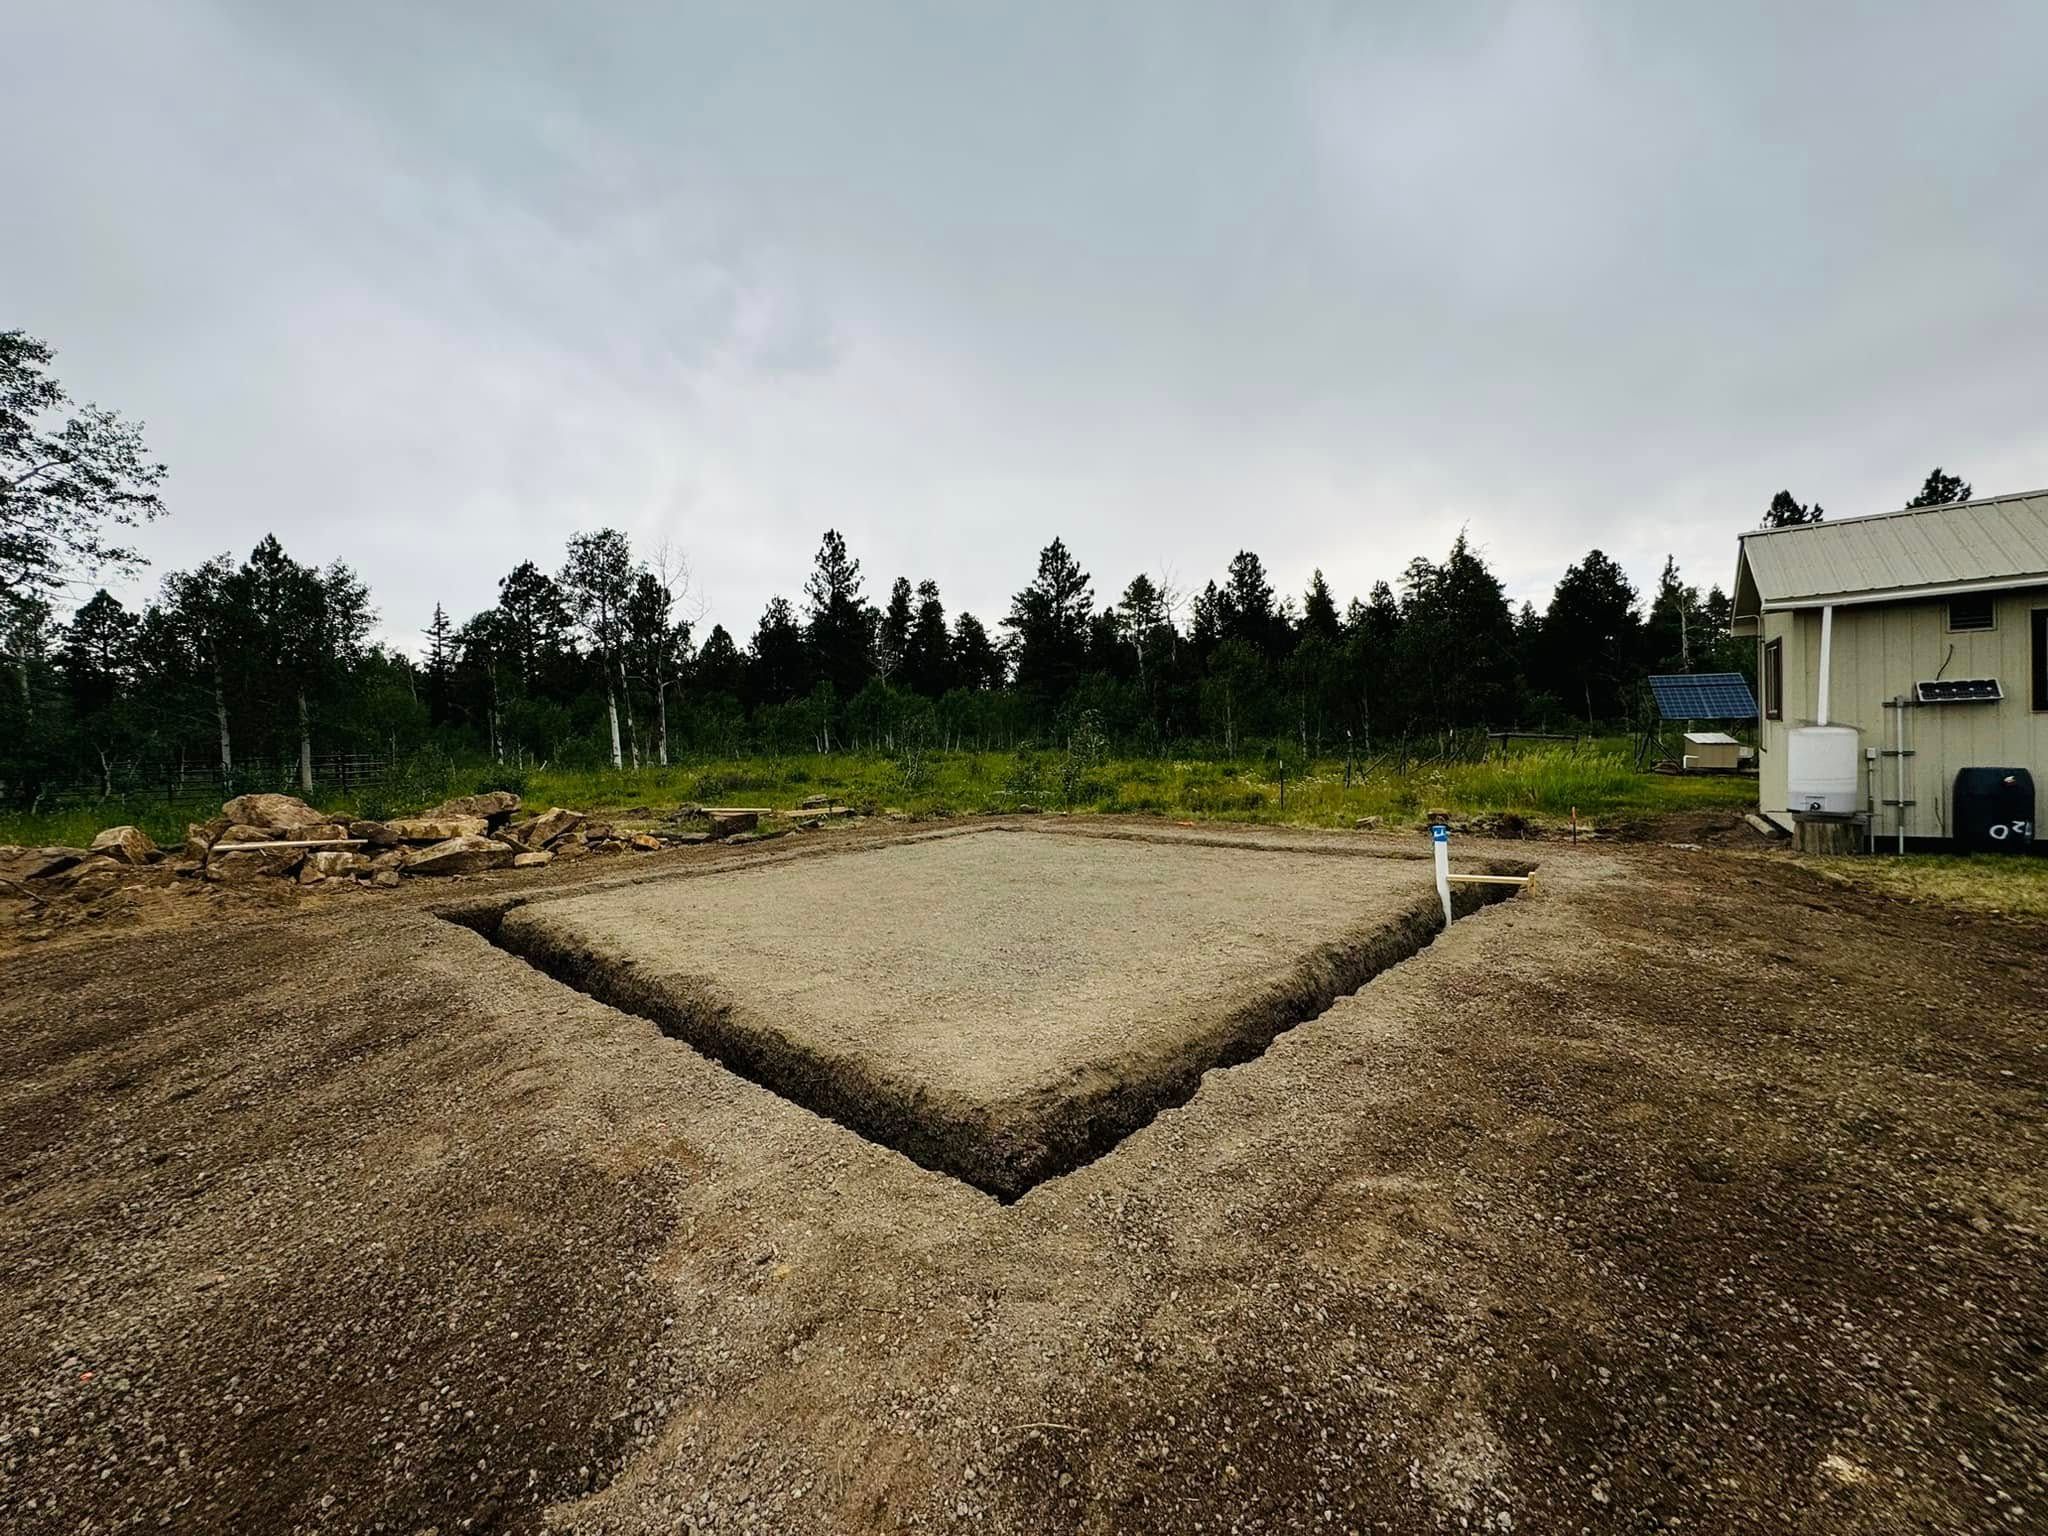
[1002, 1006]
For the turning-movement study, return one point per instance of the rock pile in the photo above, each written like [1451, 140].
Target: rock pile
[280, 837]
[277, 835]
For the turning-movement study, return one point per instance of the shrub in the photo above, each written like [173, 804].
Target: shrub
[500, 777]
[1087, 747]
[1025, 779]
[418, 779]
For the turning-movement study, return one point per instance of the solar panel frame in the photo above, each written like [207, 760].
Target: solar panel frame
[1703, 696]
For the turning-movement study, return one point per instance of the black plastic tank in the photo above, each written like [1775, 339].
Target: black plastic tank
[1994, 810]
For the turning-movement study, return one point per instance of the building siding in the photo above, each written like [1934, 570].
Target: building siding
[1880, 651]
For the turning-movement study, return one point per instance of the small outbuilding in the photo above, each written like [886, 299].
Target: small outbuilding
[1711, 752]
[1902, 669]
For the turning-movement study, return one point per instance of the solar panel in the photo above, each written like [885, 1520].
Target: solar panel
[1703, 696]
[1959, 690]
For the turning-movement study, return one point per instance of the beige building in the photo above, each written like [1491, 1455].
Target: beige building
[1943, 607]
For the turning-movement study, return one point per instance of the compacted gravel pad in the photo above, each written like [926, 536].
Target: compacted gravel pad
[1002, 1006]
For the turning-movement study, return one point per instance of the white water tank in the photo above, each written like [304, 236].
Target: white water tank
[1823, 771]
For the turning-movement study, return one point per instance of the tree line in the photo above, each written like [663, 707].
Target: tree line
[599, 661]
[596, 657]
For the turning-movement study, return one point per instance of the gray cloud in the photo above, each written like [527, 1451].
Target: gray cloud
[429, 293]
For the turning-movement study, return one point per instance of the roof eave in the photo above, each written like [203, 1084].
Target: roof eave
[1905, 594]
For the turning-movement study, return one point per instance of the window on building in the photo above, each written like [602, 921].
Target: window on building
[1774, 680]
[1971, 613]
[2041, 658]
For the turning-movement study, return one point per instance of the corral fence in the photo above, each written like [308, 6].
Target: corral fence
[193, 783]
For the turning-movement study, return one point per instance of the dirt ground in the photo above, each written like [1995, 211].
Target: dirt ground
[1685, 1192]
[1000, 1004]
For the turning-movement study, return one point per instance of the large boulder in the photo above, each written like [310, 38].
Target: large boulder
[77, 869]
[262, 864]
[200, 837]
[277, 812]
[335, 864]
[466, 855]
[90, 878]
[41, 863]
[495, 806]
[434, 828]
[544, 830]
[314, 832]
[126, 845]
[726, 823]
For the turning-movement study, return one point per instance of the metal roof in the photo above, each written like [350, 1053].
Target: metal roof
[2000, 541]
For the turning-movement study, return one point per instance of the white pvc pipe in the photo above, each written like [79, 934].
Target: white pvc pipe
[1827, 650]
[1440, 837]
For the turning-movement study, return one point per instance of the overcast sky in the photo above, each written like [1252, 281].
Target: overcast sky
[430, 287]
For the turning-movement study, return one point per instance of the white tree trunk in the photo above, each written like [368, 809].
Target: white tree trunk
[632, 735]
[305, 747]
[497, 742]
[661, 722]
[611, 704]
[220, 715]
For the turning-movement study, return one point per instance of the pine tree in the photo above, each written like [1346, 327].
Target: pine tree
[720, 668]
[440, 664]
[836, 624]
[1205, 626]
[1456, 647]
[1784, 512]
[1141, 616]
[1677, 628]
[536, 623]
[1048, 623]
[1319, 611]
[929, 666]
[778, 667]
[98, 662]
[1246, 612]
[203, 630]
[1941, 490]
[977, 663]
[892, 638]
[1592, 638]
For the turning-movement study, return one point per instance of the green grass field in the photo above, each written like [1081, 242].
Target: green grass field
[1979, 882]
[1542, 785]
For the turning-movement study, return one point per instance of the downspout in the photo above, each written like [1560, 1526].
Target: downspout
[1827, 646]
